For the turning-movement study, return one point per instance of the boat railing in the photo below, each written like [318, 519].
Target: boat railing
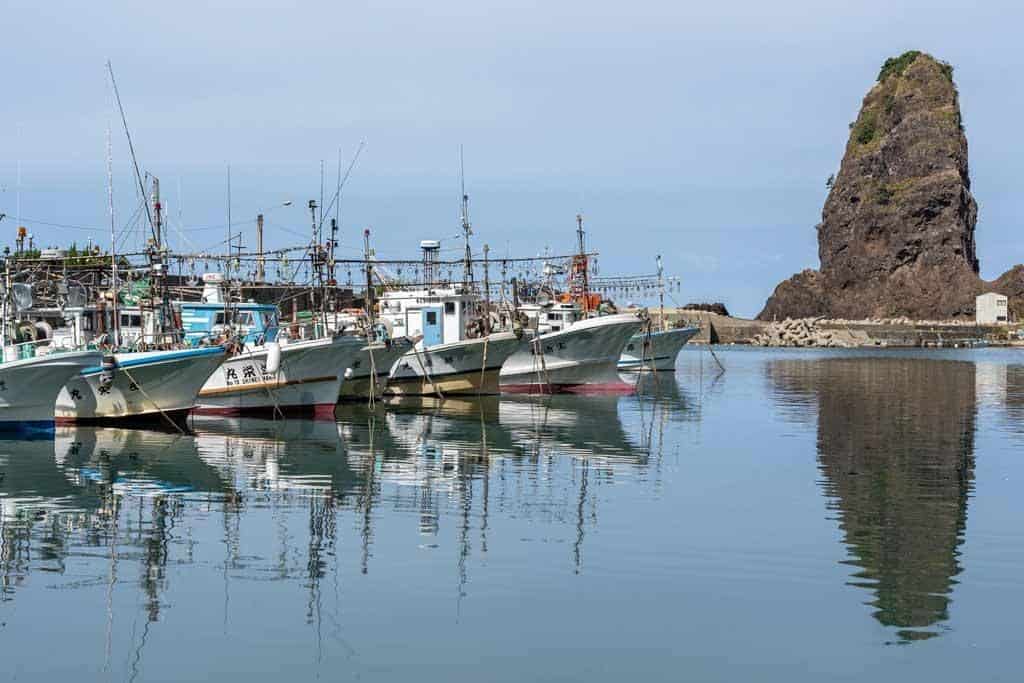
[30, 349]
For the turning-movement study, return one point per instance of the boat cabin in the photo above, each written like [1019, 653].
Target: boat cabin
[257, 323]
[76, 327]
[552, 316]
[438, 314]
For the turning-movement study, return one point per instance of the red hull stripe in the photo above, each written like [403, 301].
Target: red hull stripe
[554, 388]
[319, 411]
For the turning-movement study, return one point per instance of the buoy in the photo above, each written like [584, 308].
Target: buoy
[273, 357]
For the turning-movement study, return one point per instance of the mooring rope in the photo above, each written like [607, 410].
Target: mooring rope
[437, 390]
[148, 398]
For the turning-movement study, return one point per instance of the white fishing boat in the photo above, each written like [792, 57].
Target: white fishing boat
[305, 378]
[29, 386]
[268, 373]
[147, 385]
[656, 350]
[370, 371]
[32, 371]
[570, 353]
[157, 384]
[445, 361]
[577, 338]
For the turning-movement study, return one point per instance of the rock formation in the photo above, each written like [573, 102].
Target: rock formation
[897, 230]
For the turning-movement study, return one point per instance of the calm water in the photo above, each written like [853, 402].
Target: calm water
[804, 516]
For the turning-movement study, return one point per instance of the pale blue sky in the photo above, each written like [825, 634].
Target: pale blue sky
[704, 131]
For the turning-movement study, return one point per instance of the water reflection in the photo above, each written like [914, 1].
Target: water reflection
[265, 500]
[896, 454]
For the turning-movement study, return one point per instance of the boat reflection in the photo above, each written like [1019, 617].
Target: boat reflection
[896, 455]
[260, 455]
[133, 462]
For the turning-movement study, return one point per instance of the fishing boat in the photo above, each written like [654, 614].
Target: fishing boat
[570, 353]
[445, 361]
[370, 372]
[367, 376]
[268, 371]
[158, 383]
[149, 385]
[32, 371]
[459, 350]
[29, 385]
[655, 350]
[577, 339]
[461, 346]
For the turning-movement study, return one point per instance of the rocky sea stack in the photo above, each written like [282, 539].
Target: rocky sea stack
[897, 230]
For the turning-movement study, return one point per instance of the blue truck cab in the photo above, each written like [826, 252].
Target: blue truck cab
[257, 323]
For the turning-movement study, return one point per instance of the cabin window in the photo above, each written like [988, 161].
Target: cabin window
[131, 320]
[431, 317]
[629, 347]
[449, 307]
[218, 318]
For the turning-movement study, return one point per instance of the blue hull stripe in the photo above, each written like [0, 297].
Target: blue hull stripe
[155, 360]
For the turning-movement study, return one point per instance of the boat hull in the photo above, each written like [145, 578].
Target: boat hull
[371, 369]
[468, 367]
[657, 351]
[29, 388]
[581, 359]
[306, 383]
[149, 386]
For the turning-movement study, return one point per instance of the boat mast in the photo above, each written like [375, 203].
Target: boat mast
[467, 228]
[487, 292]
[6, 306]
[316, 258]
[158, 265]
[661, 297]
[116, 326]
[227, 262]
[368, 299]
[579, 267]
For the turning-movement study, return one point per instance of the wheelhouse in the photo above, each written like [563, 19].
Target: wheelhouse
[256, 323]
[438, 314]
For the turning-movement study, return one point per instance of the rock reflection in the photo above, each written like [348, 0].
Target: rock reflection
[896, 454]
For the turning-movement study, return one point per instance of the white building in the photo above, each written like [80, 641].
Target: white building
[991, 309]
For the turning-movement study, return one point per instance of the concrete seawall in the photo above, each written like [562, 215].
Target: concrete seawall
[721, 329]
